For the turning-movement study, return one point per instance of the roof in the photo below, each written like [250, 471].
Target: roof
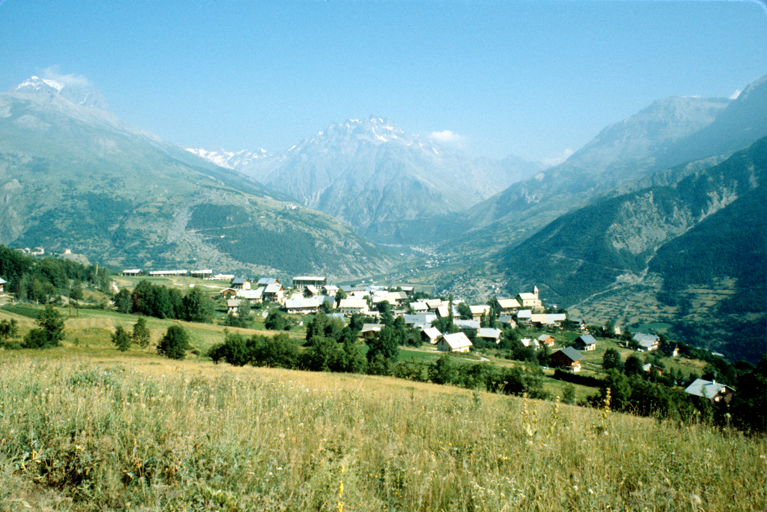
[479, 310]
[352, 303]
[2, 281]
[571, 353]
[524, 313]
[508, 303]
[419, 306]
[233, 303]
[706, 388]
[371, 327]
[544, 337]
[240, 280]
[646, 340]
[432, 332]
[587, 339]
[309, 278]
[527, 296]
[466, 324]
[457, 340]
[266, 281]
[273, 288]
[250, 294]
[303, 303]
[528, 342]
[489, 332]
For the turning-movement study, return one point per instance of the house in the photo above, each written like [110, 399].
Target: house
[302, 305]
[431, 335]
[419, 307]
[578, 323]
[352, 306]
[507, 320]
[524, 316]
[649, 367]
[202, 274]
[478, 311]
[229, 293]
[421, 320]
[132, 272]
[457, 342]
[168, 273]
[311, 290]
[301, 282]
[466, 325]
[330, 289]
[233, 306]
[443, 310]
[712, 390]
[2, 285]
[490, 334]
[508, 306]
[566, 357]
[274, 293]
[433, 304]
[256, 295]
[530, 343]
[371, 330]
[550, 319]
[397, 297]
[646, 342]
[529, 300]
[266, 281]
[546, 339]
[585, 342]
[241, 283]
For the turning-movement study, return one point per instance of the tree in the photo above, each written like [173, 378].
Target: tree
[633, 365]
[340, 295]
[276, 321]
[385, 345]
[121, 339]
[9, 329]
[464, 310]
[612, 359]
[443, 371]
[197, 306]
[141, 333]
[175, 343]
[384, 308]
[50, 331]
[123, 302]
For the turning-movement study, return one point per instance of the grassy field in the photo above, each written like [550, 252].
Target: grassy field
[143, 433]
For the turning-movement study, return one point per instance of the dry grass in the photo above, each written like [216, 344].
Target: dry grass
[140, 432]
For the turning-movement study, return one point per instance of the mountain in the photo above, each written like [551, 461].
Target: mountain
[695, 250]
[233, 160]
[381, 180]
[622, 152]
[73, 176]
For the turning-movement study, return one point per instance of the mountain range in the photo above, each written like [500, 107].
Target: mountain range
[661, 215]
[73, 176]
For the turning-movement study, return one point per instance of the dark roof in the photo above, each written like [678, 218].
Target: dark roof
[570, 352]
[586, 339]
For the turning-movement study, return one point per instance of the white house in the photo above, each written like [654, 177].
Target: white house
[351, 306]
[457, 342]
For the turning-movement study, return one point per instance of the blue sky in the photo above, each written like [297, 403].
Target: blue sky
[536, 79]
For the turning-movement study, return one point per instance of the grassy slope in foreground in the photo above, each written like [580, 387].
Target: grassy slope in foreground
[87, 434]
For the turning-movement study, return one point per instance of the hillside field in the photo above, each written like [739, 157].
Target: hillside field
[85, 427]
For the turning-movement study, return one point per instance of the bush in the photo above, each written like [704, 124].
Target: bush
[121, 339]
[175, 343]
[50, 331]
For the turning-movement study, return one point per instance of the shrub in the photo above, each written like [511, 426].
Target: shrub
[175, 343]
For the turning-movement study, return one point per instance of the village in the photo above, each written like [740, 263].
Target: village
[471, 324]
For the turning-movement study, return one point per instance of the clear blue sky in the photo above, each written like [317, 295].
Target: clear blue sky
[534, 78]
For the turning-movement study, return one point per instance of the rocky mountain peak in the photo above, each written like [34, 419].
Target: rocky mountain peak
[78, 91]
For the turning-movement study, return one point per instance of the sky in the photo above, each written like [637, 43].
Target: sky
[535, 79]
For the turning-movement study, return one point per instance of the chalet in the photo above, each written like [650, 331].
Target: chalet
[132, 272]
[330, 289]
[2, 285]
[530, 300]
[508, 306]
[546, 339]
[266, 281]
[233, 306]
[223, 277]
[303, 306]
[585, 342]
[524, 316]
[507, 320]
[489, 334]
[646, 342]
[311, 291]
[409, 290]
[421, 320]
[256, 295]
[229, 293]
[301, 282]
[274, 293]
[371, 330]
[478, 311]
[241, 283]
[397, 298]
[649, 367]
[431, 335]
[547, 320]
[443, 311]
[457, 342]
[712, 390]
[352, 306]
[466, 325]
[566, 357]
[433, 304]
[530, 343]
[419, 307]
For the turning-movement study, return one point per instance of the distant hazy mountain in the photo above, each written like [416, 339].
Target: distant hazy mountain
[239, 160]
[72, 175]
[709, 229]
[378, 178]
